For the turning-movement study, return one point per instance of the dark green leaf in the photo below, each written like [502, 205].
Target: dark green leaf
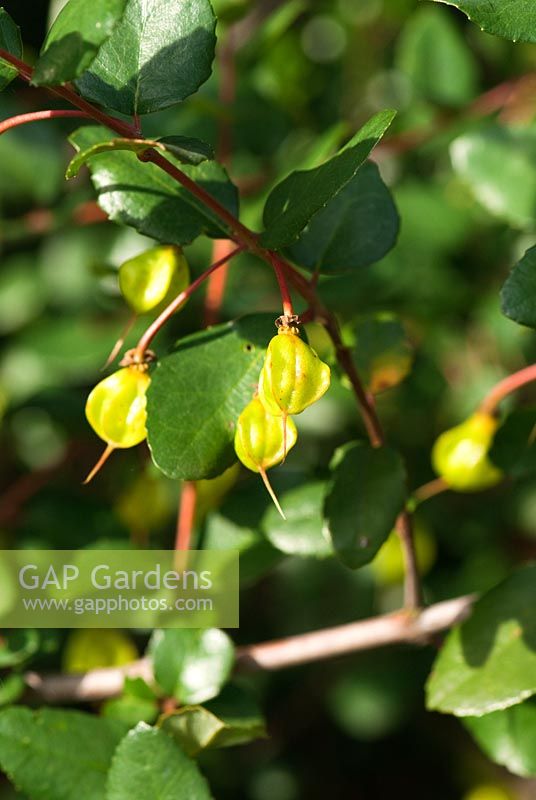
[294, 201]
[187, 149]
[18, 646]
[364, 500]
[197, 394]
[508, 737]
[10, 41]
[191, 665]
[357, 227]
[146, 198]
[514, 448]
[149, 765]
[518, 294]
[301, 532]
[230, 719]
[75, 38]
[499, 165]
[489, 662]
[160, 53]
[513, 19]
[381, 352]
[57, 755]
[433, 53]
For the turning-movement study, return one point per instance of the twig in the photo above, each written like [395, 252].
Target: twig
[430, 489]
[401, 627]
[217, 282]
[186, 516]
[412, 583]
[168, 312]
[36, 116]
[505, 387]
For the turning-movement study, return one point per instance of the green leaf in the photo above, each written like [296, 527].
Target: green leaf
[138, 703]
[489, 662]
[232, 718]
[300, 533]
[294, 201]
[10, 40]
[508, 737]
[382, 353]
[191, 665]
[74, 39]
[433, 53]
[146, 198]
[193, 403]
[367, 494]
[499, 165]
[57, 755]
[518, 295]
[257, 556]
[148, 764]
[160, 53]
[514, 447]
[185, 149]
[357, 227]
[18, 646]
[513, 19]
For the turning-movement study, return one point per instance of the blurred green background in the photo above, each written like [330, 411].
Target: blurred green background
[462, 169]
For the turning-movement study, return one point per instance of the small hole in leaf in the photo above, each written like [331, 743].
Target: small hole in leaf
[364, 541]
[248, 347]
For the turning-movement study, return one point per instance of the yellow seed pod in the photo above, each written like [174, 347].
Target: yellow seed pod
[87, 649]
[262, 440]
[460, 455]
[116, 410]
[153, 278]
[293, 377]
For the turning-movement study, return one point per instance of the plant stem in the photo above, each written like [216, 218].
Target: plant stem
[168, 312]
[505, 387]
[186, 516]
[305, 648]
[35, 116]
[430, 489]
[217, 282]
[412, 585]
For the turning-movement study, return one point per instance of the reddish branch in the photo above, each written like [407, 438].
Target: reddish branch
[505, 387]
[36, 116]
[186, 516]
[168, 312]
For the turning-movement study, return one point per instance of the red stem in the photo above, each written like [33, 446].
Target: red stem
[35, 116]
[168, 312]
[505, 387]
[217, 281]
[288, 309]
[186, 518]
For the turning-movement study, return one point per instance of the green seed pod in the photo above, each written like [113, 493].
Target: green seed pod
[153, 278]
[460, 455]
[116, 410]
[293, 377]
[262, 440]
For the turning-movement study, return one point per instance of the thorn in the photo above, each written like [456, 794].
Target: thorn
[120, 342]
[100, 463]
[271, 492]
